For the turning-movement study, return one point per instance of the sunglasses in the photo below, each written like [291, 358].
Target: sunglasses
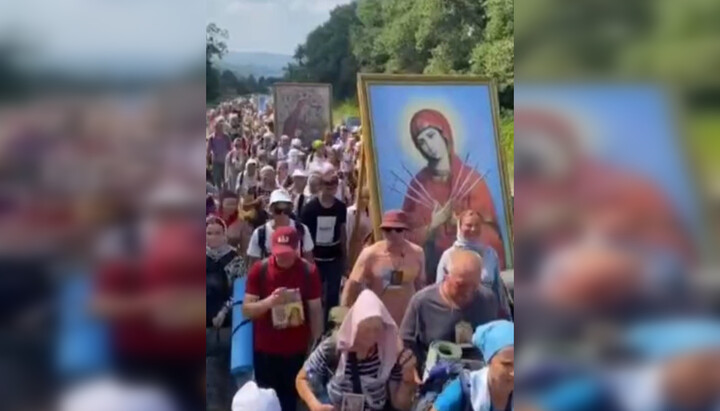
[332, 183]
[397, 230]
[281, 210]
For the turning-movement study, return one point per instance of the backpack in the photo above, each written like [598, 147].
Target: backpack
[439, 377]
[263, 275]
[262, 237]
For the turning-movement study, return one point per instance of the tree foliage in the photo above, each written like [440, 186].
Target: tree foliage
[410, 36]
[215, 47]
[326, 56]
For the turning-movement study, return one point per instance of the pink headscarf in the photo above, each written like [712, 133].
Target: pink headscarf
[368, 305]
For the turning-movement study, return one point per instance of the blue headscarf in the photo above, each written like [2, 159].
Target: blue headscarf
[492, 337]
[661, 340]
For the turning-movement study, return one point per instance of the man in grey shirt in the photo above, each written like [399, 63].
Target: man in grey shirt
[450, 310]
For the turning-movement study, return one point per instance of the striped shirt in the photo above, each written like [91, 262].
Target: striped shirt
[322, 364]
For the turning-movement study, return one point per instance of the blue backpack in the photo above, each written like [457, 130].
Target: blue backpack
[440, 376]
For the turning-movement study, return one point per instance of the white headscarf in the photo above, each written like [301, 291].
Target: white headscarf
[252, 398]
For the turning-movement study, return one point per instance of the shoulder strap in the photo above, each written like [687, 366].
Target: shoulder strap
[306, 275]
[263, 273]
[262, 234]
[355, 373]
[300, 228]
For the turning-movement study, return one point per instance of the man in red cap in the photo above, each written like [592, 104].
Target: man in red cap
[394, 268]
[282, 299]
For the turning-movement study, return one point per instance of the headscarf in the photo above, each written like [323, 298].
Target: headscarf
[424, 119]
[492, 337]
[229, 220]
[251, 397]
[664, 339]
[217, 252]
[249, 180]
[368, 305]
[489, 338]
[294, 162]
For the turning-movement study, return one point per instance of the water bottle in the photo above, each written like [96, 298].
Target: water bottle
[317, 387]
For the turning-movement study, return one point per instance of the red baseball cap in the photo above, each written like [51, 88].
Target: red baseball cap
[394, 219]
[284, 240]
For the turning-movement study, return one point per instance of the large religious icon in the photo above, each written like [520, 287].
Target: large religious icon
[608, 156]
[433, 151]
[303, 110]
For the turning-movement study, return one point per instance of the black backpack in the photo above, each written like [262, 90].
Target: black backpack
[262, 238]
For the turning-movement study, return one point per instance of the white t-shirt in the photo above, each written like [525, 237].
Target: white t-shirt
[254, 249]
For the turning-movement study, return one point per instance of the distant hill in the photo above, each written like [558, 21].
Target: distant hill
[255, 63]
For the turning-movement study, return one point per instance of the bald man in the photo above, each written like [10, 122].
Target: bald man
[450, 310]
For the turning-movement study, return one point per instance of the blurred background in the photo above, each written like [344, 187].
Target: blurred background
[616, 188]
[101, 179]
[617, 117]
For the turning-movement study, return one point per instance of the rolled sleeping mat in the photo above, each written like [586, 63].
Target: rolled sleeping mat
[441, 351]
[241, 353]
[83, 340]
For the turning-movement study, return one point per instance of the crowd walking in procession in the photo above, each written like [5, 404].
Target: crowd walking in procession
[332, 330]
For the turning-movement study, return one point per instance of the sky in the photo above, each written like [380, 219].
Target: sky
[109, 32]
[271, 26]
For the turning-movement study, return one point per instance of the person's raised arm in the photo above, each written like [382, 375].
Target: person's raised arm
[356, 281]
[316, 364]
[308, 246]
[254, 307]
[402, 391]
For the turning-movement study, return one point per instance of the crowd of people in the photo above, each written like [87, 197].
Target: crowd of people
[339, 321]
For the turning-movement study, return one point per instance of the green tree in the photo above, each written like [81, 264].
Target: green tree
[326, 56]
[215, 47]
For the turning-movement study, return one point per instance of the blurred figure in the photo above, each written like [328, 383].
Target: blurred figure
[219, 145]
[555, 180]
[313, 186]
[681, 366]
[154, 303]
[364, 225]
[394, 268]
[235, 162]
[281, 152]
[222, 266]
[283, 177]
[113, 395]
[249, 179]
[297, 190]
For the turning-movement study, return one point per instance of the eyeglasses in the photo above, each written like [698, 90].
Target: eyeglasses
[395, 229]
[332, 183]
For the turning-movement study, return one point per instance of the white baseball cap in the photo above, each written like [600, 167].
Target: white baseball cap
[280, 196]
